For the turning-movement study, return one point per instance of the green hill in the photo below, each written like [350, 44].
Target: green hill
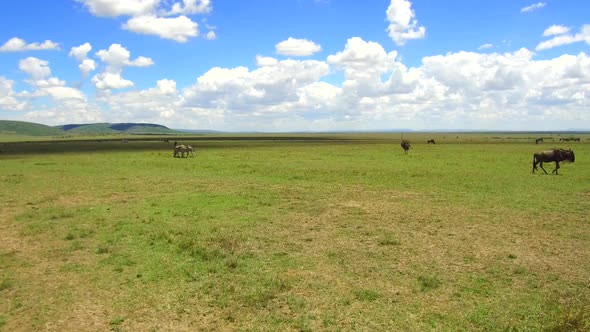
[28, 129]
[116, 128]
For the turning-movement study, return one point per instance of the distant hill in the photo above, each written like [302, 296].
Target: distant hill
[116, 128]
[28, 129]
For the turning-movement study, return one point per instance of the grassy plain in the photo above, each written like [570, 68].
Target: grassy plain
[294, 232]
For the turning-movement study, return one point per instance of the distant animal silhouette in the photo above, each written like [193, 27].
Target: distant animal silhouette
[431, 141]
[405, 144]
[538, 140]
[555, 155]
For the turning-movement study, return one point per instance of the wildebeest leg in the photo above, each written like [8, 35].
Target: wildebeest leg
[541, 165]
[556, 167]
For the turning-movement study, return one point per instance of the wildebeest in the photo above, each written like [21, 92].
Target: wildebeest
[405, 144]
[431, 141]
[567, 139]
[538, 140]
[555, 155]
[182, 149]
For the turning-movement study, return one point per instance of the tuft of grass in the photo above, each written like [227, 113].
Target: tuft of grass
[6, 284]
[389, 240]
[428, 283]
[366, 295]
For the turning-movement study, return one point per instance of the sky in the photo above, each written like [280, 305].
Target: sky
[298, 65]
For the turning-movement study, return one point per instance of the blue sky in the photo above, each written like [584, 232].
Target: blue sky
[294, 65]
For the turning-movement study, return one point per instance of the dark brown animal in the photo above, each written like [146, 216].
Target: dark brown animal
[405, 144]
[431, 141]
[549, 156]
[538, 140]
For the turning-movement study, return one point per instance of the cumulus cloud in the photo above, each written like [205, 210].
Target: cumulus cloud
[38, 69]
[191, 7]
[454, 90]
[114, 8]
[19, 45]
[363, 59]
[80, 53]
[533, 7]
[297, 47]
[179, 28]
[66, 111]
[403, 25]
[564, 38]
[8, 98]
[116, 58]
[45, 85]
[157, 104]
[166, 19]
[555, 30]
[264, 89]
[211, 35]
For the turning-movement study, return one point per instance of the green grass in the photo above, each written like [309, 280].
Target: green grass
[294, 232]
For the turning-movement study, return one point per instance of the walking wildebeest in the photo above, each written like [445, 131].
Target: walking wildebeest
[549, 156]
[431, 141]
[538, 140]
[405, 144]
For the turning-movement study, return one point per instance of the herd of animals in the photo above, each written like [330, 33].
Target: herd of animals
[553, 155]
[547, 156]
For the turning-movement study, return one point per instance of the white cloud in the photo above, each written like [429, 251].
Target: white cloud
[485, 46]
[80, 53]
[116, 59]
[19, 45]
[362, 59]
[114, 8]
[555, 30]
[155, 105]
[565, 39]
[66, 111]
[45, 85]
[532, 7]
[166, 19]
[107, 81]
[8, 98]
[141, 61]
[87, 66]
[262, 90]
[297, 47]
[403, 25]
[64, 92]
[211, 35]
[179, 28]
[38, 69]
[191, 7]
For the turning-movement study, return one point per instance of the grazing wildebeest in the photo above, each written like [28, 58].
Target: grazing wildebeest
[538, 140]
[555, 155]
[431, 141]
[182, 149]
[405, 144]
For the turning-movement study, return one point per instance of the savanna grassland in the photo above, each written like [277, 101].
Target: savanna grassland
[294, 233]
